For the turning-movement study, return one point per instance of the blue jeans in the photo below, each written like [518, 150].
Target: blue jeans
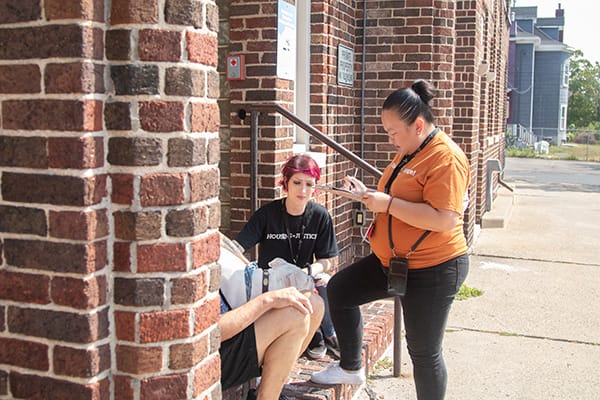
[326, 325]
[426, 305]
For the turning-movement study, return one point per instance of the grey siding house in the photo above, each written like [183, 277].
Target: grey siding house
[538, 75]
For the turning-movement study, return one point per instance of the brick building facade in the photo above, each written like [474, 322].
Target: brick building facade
[122, 154]
[460, 46]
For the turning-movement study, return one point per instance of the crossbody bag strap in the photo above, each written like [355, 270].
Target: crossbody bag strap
[414, 246]
[388, 185]
[417, 243]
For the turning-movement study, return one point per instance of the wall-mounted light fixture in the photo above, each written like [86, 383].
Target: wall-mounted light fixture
[483, 68]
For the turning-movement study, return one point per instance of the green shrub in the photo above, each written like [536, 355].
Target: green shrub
[465, 292]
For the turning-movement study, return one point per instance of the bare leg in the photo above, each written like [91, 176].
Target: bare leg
[281, 336]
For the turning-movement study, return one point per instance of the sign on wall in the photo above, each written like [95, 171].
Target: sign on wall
[345, 66]
[286, 40]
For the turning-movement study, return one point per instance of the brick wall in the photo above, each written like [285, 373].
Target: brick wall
[470, 100]
[404, 42]
[442, 41]
[492, 36]
[253, 32]
[333, 110]
[109, 204]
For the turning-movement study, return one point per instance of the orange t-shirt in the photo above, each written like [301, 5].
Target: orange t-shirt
[439, 176]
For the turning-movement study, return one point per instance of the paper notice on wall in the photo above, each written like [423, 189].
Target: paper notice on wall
[345, 72]
[286, 40]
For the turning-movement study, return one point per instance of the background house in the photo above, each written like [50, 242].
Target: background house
[538, 77]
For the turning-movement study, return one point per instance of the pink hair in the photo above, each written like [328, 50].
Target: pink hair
[300, 163]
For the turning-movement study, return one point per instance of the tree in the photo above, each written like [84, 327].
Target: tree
[584, 98]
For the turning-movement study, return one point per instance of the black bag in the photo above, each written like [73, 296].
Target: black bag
[398, 270]
[397, 276]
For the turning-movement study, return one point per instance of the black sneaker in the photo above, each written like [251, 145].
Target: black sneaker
[333, 346]
[251, 394]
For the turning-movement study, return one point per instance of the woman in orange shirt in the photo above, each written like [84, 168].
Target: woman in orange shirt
[419, 251]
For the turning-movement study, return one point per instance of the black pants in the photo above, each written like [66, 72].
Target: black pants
[426, 305]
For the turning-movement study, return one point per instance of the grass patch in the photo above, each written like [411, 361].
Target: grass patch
[466, 292]
[579, 152]
[381, 365]
[508, 334]
[520, 153]
[575, 152]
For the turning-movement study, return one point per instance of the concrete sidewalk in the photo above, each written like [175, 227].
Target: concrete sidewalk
[535, 331]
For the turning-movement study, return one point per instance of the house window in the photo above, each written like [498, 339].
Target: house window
[566, 73]
[563, 117]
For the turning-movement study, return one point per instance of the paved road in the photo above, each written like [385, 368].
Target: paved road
[554, 175]
[535, 332]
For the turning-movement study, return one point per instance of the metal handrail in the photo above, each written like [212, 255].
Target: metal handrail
[258, 108]
[314, 132]
[255, 110]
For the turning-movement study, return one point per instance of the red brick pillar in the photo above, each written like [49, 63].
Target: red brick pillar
[54, 266]
[108, 199]
[163, 154]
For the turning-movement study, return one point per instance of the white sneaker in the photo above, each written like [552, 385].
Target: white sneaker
[318, 352]
[334, 374]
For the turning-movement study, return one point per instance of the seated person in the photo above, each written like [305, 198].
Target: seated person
[300, 231]
[265, 336]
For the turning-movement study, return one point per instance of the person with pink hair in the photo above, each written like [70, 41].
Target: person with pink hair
[301, 232]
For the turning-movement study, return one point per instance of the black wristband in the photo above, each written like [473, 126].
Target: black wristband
[309, 268]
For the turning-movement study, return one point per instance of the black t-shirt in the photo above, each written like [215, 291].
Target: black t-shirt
[269, 227]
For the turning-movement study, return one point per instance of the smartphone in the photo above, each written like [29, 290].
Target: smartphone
[397, 276]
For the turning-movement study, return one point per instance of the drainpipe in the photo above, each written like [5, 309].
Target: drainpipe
[362, 86]
[254, 168]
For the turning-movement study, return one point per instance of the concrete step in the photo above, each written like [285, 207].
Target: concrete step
[501, 211]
